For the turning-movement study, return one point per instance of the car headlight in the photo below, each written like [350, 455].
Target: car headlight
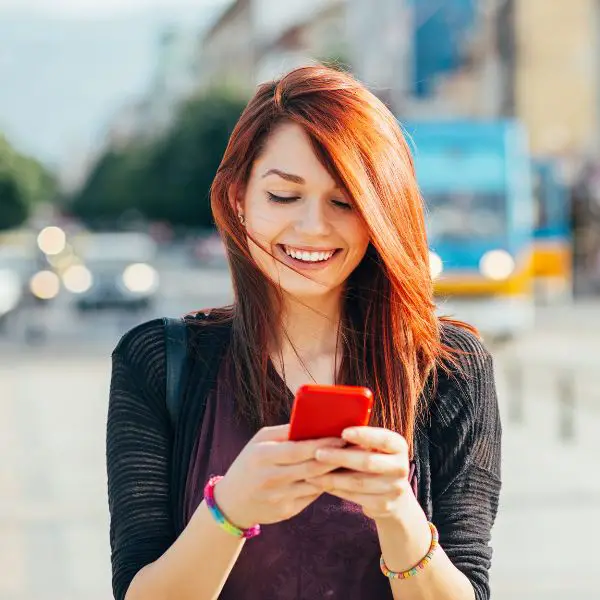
[45, 285]
[77, 279]
[10, 290]
[140, 278]
[497, 265]
[436, 265]
[52, 240]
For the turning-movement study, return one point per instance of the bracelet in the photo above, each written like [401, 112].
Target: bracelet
[220, 518]
[435, 543]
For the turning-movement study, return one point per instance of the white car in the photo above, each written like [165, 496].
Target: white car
[115, 270]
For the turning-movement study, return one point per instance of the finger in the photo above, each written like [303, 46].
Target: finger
[304, 489]
[363, 460]
[363, 483]
[376, 438]
[276, 433]
[288, 474]
[290, 453]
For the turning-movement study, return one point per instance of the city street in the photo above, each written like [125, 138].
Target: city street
[53, 509]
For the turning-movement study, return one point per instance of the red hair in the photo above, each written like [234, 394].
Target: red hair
[389, 329]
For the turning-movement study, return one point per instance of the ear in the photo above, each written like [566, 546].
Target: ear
[236, 199]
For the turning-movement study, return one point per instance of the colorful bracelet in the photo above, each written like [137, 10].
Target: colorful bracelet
[220, 518]
[435, 543]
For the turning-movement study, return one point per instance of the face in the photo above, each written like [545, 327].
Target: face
[294, 209]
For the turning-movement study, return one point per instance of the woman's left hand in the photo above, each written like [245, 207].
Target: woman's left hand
[375, 471]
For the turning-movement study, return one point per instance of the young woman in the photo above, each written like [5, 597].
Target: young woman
[317, 202]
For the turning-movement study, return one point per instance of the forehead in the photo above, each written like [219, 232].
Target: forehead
[289, 149]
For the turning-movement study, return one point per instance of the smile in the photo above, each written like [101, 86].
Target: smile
[309, 256]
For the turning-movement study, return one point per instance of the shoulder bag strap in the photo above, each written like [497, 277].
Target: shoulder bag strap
[176, 353]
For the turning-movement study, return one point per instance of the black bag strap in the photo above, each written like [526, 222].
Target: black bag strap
[176, 353]
[210, 343]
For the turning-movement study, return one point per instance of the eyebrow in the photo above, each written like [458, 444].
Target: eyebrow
[284, 175]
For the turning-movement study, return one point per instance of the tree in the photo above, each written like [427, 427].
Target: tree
[13, 206]
[169, 178]
[24, 182]
[111, 188]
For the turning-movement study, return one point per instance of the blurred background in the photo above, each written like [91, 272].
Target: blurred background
[113, 119]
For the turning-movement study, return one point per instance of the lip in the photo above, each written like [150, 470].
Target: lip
[308, 248]
[299, 265]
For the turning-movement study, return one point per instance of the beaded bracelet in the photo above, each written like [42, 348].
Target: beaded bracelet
[220, 518]
[435, 539]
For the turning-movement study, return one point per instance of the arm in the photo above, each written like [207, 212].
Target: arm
[265, 484]
[465, 469]
[465, 452]
[176, 574]
[148, 562]
[465, 464]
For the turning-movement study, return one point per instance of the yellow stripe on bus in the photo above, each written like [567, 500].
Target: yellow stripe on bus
[473, 284]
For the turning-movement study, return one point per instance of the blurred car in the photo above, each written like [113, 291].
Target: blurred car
[114, 271]
[24, 278]
[11, 292]
[208, 251]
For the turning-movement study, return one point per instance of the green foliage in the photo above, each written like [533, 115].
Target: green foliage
[169, 178]
[13, 207]
[23, 183]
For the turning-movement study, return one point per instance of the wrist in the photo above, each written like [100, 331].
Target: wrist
[405, 537]
[231, 505]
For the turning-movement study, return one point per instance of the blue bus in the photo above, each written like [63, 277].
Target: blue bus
[553, 248]
[475, 177]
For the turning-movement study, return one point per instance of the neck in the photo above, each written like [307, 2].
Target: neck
[310, 327]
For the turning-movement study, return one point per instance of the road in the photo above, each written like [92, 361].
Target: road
[53, 515]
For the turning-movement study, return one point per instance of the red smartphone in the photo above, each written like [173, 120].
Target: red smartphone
[326, 410]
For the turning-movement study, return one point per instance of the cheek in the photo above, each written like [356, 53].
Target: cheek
[358, 239]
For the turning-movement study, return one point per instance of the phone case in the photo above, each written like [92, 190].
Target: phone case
[326, 410]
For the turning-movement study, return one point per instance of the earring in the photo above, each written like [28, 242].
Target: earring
[241, 218]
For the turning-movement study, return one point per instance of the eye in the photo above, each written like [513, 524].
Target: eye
[282, 199]
[341, 204]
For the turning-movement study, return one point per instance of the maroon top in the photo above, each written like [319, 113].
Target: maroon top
[329, 550]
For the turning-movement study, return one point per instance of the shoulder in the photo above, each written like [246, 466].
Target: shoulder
[465, 384]
[142, 342]
[140, 353]
[462, 339]
[144, 346]
[470, 358]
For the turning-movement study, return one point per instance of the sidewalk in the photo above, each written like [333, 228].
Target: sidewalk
[550, 507]
[53, 517]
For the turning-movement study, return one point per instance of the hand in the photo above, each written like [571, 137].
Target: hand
[267, 482]
[374, 471]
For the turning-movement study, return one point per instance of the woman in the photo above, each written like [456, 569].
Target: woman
[317, 202]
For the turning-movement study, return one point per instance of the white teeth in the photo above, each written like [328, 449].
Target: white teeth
[306, 256]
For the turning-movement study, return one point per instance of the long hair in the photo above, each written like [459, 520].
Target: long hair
[390, 334]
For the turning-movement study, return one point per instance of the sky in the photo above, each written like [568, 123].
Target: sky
[67, 67]
[97, 8]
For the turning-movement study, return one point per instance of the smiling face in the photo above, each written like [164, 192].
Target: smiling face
[295, 211]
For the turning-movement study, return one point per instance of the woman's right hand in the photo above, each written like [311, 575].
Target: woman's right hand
[267, 481]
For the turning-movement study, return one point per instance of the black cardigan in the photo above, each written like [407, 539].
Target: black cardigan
[457, 452]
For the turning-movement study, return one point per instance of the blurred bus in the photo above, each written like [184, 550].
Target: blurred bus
[553, 250]
[475, 177]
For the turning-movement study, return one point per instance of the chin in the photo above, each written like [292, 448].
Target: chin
[307, 290]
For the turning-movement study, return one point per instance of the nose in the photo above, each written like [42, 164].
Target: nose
[313, 219]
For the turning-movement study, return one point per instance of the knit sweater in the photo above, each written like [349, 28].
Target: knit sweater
[149, 460]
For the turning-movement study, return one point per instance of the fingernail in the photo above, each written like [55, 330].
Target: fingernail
[349, 434]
